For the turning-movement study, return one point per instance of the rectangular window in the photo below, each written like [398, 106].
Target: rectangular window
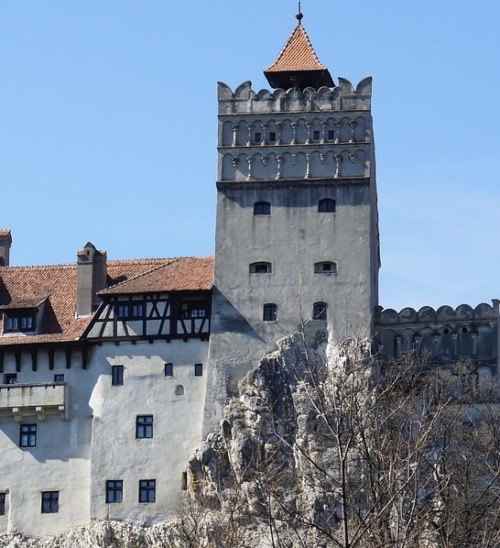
[194, 309]
[331, 134]
[117, 375]
[198, 369]
[27, 435]
[144, 426]
[20, 322]
[114, 491]
[50, 502]
[58, 377]
[147, 490]
[130, 310]
[10, 378]
[257, 137]
[272, 136]
[3, 498]
[316, 135]
[169, 370]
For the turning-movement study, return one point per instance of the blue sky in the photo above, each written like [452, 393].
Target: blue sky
[108, 127]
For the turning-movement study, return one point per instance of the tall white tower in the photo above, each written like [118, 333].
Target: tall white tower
[297, 243]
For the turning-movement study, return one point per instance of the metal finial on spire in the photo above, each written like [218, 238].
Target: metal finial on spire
[299, 15]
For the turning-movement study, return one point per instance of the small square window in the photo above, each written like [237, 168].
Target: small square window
[50, 502]
[169, 370]
[198, 369]
[147, 490]
[58, 377]
[270, 313]
[27, 435]
[117, 375]
[144, 426]
[262, 208]
[319, 311]
[10, 378]
[326, 205]
[3, 498]
[114, 491]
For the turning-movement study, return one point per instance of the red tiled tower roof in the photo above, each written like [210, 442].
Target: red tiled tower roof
[297, 64]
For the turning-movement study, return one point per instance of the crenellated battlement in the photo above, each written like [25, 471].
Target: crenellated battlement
[344, 97]
[445, 334]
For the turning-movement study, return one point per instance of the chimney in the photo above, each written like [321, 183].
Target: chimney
[5, 243]
[91, 278]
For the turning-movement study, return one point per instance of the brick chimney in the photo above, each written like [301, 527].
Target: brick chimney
[5, 243]
[91, 278]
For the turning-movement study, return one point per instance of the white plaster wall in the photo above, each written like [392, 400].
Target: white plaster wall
[116, 453]
[60, 460]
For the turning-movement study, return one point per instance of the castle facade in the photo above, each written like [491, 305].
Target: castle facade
[112, 371]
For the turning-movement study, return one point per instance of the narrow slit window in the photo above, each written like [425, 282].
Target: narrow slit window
[117, 375]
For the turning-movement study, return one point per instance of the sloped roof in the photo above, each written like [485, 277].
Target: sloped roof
[298, 57]
[58, 284]
[182, 274]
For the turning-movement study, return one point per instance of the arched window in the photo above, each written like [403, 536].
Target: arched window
[179, 390]
[262, 208]
[319, 311]
[270, 312]
[325, 267]
[326, 205]
[261, 268]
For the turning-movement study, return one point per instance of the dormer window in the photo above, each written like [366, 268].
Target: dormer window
[19, 320]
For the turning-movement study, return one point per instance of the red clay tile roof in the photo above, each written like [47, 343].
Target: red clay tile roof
[297, 54]
[58, 284]
[182, 274]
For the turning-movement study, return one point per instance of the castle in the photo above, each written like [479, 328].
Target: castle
[113, 371]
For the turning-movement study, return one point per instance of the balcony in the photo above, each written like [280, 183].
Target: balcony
[33, 399]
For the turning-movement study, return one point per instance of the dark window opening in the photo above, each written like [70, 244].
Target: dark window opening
[169, 370]
[194, 309]
[325, 268]
[326, 205]
[319, 311]
[20, 321]
[316, 135]
[272, 136]
[114, 491]
[3, 498]
[147, 490]
[10, 378]
[58, 377]
[262, 208]
[331, 134]
[117, 375]
[270, 312]
[257, 137]
[130, 310]
[261, 268]
[27, 435]
[144, 426]
[184, 481]
[50, 502]
[198, 369]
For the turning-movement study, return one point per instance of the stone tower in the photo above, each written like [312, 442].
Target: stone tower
[297, 245]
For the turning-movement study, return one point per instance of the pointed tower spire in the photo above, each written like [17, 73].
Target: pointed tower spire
[297, 64]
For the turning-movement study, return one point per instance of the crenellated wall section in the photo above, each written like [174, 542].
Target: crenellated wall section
[445, 335]
[262, 137]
